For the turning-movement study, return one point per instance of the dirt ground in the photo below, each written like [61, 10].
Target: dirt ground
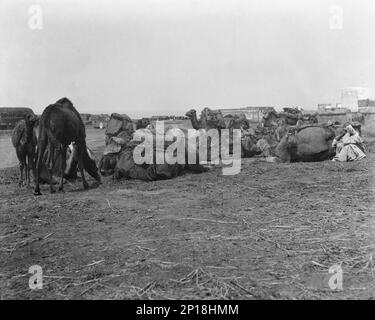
[270, 232]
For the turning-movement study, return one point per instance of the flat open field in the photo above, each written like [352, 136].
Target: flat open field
[270, 232]
[8, 158]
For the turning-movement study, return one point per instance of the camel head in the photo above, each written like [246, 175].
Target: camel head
[212, 119]
[299, 123]
[143, 123]
[191, 113]
[31, 119]
[281, 122]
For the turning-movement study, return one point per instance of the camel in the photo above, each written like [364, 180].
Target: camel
[126, 167]
[308, 143]
[249, 147]
[143, 123]
[214, 119]
[88, 160]
[237, 121]
[270, 119]
[24, 141]
[281, 129]
[61, 124]
[357, 117]
[209, 119]
[70, 173]
[290, 116]
[192, 115]
[311, 118]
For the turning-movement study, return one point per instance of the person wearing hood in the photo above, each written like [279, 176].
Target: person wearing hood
[349, 146]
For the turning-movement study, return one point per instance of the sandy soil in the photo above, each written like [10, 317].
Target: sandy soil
[270, 232]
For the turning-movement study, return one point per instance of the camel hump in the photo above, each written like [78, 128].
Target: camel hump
[212, 118]
[308, 143]
[314, 139]
[66, 103]
[317, 130]
[54, 115]
[64, 100]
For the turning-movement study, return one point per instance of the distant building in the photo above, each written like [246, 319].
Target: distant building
[159, 118]
[99, 120]
[351, 95]
[324, 106]
[172, 122]
[10, 116]
[340, 116]
[85, 118]
[357, 104]
[253, 114]
[333, 112]
[366, 106]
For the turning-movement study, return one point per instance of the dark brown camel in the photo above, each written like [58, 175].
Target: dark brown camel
[24, 141]
[89, 163]
[61, 124]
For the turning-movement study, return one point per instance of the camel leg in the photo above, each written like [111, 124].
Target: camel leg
[22, 166]
[51, 162]
[31, 166]
[21, 159]
[80, 165]
[63, 165]
[27, 173]
[42, 143]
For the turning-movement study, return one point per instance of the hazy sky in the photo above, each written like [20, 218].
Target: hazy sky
[147, 57]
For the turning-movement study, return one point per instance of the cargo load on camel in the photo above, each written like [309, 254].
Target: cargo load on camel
[290, 116]
[119, 132]
[126, 166]
[118, 157]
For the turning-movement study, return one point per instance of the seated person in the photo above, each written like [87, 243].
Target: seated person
[349, 146]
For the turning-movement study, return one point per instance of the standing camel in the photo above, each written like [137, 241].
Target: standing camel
[24, 141]
[209, 119]
[192, 115]
[61, 124]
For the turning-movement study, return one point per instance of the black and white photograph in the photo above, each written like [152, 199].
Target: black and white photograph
[206, 151]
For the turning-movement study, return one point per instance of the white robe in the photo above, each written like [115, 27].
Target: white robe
[350, 148]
